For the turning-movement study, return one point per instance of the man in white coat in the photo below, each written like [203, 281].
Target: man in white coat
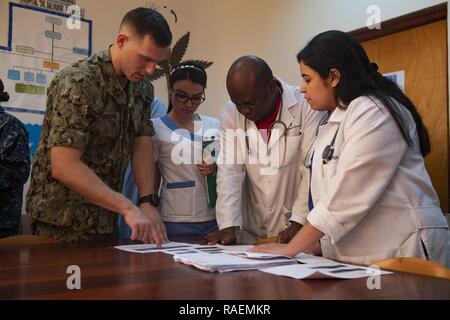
[266, 130]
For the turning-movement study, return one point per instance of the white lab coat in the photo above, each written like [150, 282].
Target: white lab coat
[183, 193]
[265, 194]
[374, 200]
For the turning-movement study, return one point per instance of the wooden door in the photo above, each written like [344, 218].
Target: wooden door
[422, 53]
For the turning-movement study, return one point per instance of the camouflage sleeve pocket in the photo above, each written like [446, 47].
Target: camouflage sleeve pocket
[71, 118]
[145, 127]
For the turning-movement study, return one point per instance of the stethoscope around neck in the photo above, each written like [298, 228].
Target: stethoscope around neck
[279, 122]
[328, 152]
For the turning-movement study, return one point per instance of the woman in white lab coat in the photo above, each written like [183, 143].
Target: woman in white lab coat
[371, 197]
[178, 139]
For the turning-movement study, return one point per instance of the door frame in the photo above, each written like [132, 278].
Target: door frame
[405, 22]
[412, 20]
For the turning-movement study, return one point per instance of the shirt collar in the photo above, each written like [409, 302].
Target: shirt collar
[114, 86]
[107, 67]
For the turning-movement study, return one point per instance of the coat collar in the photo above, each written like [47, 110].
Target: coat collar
[337, 115]
[288, 112]
[289, 98]
[289, 101]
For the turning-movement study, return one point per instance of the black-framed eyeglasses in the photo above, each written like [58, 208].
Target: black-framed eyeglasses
[183, 98]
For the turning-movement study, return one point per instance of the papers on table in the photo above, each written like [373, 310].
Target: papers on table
[220, 258]
[238, 248]
[169, 248]
[215, 258]
[174, 248]
[228, 261]
[312, 267]
[309, 259]
[257, 255]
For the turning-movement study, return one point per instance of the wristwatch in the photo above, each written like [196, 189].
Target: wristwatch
[153, 199]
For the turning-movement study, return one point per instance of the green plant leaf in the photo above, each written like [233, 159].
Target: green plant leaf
[159, 72]
[166, 67]
[204, 64]
[179, 49]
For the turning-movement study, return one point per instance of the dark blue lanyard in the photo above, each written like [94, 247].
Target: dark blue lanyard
[310, 199]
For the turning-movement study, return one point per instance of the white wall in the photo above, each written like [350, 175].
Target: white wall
[223, 30]
[276, 30]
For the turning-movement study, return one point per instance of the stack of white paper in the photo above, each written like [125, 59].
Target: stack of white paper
[226, 262]
[219, 258]
[151, 248]
[312, 267]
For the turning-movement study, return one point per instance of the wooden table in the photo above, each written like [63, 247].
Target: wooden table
[40, 272]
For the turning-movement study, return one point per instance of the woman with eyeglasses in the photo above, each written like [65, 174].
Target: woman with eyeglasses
[371, 197]
[181, 159]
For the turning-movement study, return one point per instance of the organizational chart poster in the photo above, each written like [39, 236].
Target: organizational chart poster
[40, 42]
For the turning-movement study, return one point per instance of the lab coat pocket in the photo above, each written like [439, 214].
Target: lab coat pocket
[291, 151]
[329, 169]
[434, 244]
[433, 233]
[180, 198]
[328, 172]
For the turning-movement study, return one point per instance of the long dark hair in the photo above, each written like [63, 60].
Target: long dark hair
[360, 77]
[187, 70]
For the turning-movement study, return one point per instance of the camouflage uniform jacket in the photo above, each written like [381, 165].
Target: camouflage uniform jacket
[14, 169]
[87, 109]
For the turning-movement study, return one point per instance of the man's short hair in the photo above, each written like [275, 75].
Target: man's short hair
[146, 21]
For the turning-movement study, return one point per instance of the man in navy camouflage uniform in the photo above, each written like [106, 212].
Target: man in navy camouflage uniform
[14, 169]
[97, 118]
